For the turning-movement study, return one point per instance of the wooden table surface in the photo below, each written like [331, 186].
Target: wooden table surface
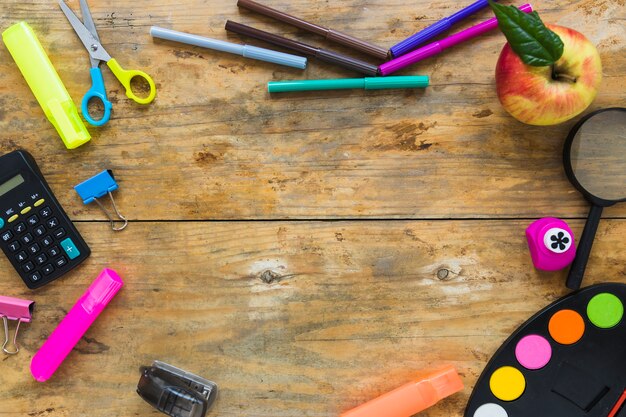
[307, 252]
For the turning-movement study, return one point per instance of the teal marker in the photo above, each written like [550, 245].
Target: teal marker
[368, 83]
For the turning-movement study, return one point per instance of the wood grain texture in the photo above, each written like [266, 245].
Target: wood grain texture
[307, 252]
[290, 318]
[216, 145]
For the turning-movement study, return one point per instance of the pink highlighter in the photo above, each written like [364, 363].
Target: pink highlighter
[74, 325]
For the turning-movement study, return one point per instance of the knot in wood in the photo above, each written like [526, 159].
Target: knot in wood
[269, 276]
[443, 274]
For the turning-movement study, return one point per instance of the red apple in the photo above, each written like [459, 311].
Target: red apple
[550, 95]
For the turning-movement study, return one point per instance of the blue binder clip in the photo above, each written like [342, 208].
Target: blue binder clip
[98, 186]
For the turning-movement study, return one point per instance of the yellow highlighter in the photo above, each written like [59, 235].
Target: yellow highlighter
[45, 84]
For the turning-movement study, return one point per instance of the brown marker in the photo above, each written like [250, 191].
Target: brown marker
[330, 34]
[319, 53]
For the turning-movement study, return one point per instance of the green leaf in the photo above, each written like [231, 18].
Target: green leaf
[531, 40]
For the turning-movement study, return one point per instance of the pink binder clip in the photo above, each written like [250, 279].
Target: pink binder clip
[18, 310]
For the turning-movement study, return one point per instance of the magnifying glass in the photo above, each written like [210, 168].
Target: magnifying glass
[594, 156]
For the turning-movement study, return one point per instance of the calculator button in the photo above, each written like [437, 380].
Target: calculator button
[39, 202]
[13, 218]
[6, 236]
[40, 259]
[52, 223]
[1, 222]
[26, 210]
[40, 231]
[48, 269]
[21, 257]
[54, 251]
[45, 212]
[27, 238]
[60, 262]
[20, 228]
[70, 249]
[33, 220]
[47, 241]
[14, 246]
[59, 233]
[34, 249]
[34, 277]
[28, 267]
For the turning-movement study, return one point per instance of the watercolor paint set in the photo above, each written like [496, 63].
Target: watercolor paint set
[566, 361]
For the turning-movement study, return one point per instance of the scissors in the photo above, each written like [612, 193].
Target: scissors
[89, 37]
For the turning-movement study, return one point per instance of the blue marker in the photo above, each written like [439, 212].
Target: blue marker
[435, 29]
[247, 51]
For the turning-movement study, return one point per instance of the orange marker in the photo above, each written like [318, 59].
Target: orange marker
[411, 398]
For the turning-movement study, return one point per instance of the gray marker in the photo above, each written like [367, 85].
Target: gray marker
[247, 51]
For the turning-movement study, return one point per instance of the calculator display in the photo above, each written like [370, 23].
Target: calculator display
[11, 184]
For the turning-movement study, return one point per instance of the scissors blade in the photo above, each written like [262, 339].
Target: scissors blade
[93, 45]
[88, 20]
[91, 26]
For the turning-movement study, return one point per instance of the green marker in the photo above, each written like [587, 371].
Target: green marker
[368, 83]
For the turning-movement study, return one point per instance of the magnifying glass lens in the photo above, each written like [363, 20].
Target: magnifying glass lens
[598, 155]
[595, 162]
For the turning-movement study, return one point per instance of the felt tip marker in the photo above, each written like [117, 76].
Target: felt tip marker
[330, 34]
[435, 29]
[437, 47]
[247, 51]
[330, 57]
[367, 83]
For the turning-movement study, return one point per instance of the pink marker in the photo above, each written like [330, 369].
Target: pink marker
[74, 325]
[436, 47]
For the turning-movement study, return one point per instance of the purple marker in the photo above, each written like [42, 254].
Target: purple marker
[435, 29]
[436, 47]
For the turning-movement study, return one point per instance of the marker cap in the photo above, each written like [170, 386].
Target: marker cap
[413, 397]
[408, 81]
[275, 57]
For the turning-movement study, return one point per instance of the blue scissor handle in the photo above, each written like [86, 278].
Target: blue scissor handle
[98, 92]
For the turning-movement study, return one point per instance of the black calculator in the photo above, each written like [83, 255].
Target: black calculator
[35, 233]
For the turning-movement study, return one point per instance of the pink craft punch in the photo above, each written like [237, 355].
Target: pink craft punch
[18, 310]
[551, 244]
[74, 325]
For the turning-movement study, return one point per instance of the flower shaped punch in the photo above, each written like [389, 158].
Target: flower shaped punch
[558, 240]
[551, 243]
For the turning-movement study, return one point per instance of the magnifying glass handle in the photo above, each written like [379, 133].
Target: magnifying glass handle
[577, 270]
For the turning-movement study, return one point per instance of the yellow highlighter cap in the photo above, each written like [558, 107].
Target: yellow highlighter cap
[64, 117]
[44, 82]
